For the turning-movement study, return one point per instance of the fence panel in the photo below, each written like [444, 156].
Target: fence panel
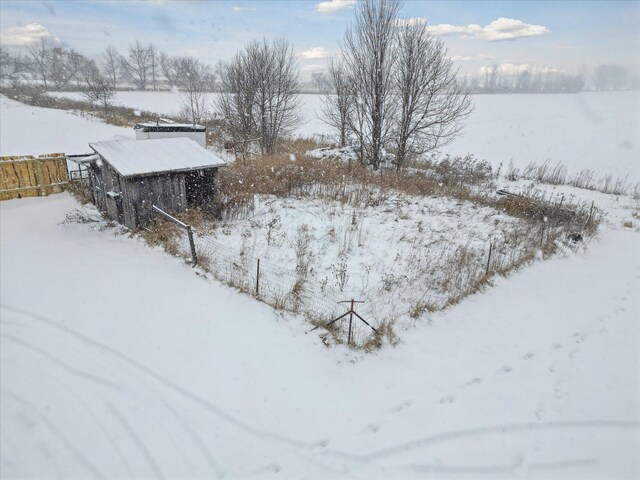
[28, 176]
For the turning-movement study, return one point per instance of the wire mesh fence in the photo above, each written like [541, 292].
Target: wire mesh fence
[436, 278]
[280, 287]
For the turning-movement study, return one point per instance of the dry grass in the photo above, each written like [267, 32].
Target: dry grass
[165, 234]
[80, 191]
[295, 174]
[587, 179]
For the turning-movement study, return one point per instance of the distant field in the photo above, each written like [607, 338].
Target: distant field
[596, 130]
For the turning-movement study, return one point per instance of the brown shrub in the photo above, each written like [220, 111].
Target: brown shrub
[80, 191]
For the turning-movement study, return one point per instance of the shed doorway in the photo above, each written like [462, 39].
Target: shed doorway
[200, 188]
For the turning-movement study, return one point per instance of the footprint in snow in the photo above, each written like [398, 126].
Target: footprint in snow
[448, 399]
[271, 468]
[402, 406]
[528, 355]
[372, 428]
[473, 381]
[505, 369]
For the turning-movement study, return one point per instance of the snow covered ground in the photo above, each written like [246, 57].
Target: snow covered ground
[393, 257]
[117, 361]
[594, 130]
[26, 130]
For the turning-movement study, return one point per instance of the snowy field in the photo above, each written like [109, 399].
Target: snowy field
[26, 130]
[117, 361]
[594, 130]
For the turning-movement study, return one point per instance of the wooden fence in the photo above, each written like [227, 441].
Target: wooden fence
[28, 176]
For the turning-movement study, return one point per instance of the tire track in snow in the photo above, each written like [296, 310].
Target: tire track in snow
[191, 434]
[511, 469]
[78, 398]
[206, 405]
[159, 398]
[60, 363]
[458, 434]
[137, 441]
[211, 461]
[84, 461]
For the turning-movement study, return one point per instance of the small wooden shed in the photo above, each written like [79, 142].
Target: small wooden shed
[127, 177]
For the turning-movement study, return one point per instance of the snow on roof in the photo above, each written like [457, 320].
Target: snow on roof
[133, 158]
[86, 158]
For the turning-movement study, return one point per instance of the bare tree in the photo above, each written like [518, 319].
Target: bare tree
[395, 87]
[171, 70]
[64, 66]
[432, 104]
[611, 77]
[321, 82]
[235, 103]
[195, 83]
[337, 105]
[41, 51]
[137, 64]
[13, 68]
[259, 96]
[95, 86]
[111, 64]
[368, 51]
[154, 65]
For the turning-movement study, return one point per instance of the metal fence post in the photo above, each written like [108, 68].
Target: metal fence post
[194, 257]
[258, 278]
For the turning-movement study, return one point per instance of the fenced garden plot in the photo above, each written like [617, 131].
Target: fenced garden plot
[405, 244]
[403, 258]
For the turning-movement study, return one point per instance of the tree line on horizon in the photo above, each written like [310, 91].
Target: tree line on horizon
[392, 93]
[144, 66]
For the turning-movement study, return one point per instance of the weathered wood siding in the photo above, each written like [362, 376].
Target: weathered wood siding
[106, 185]
[132, 199]
[141, 193]
[29, 176]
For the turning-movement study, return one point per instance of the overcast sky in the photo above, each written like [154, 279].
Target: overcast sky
[554, 34]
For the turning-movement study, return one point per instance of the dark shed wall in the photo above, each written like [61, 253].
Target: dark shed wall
[172, 192]
[105, 179]
[141, 193]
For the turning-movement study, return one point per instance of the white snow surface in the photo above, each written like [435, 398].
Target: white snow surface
[118, 361]
[26, 130]
[593, 130]
[135, 157]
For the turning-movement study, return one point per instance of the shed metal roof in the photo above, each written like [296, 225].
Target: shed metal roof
[133, 158]
[169, 127]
